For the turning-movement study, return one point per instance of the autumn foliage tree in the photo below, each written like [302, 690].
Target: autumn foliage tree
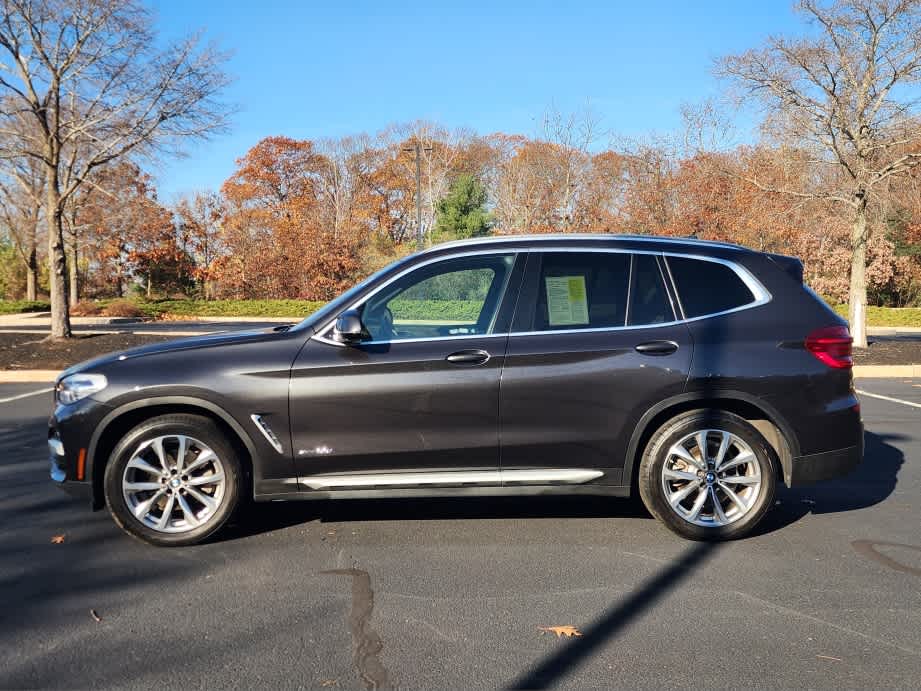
[278, 244]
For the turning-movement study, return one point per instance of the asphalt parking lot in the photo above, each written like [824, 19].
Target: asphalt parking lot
[453, 594]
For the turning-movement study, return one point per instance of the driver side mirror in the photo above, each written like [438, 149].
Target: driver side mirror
[349, 329]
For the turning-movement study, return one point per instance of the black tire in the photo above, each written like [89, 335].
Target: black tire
[196, 427]
[679, 427]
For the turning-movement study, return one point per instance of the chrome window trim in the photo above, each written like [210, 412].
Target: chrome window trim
[329, 341]
[761, 294]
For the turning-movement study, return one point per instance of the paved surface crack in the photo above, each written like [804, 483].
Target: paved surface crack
[817, 620]
[867, 548]
[366, 643]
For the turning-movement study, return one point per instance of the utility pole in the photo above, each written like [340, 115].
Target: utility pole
[417, 150]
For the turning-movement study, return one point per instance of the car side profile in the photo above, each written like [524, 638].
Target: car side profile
[698, 375]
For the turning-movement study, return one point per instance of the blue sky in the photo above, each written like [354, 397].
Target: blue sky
[316, 69]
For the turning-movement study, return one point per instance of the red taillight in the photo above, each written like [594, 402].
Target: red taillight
[831, 345]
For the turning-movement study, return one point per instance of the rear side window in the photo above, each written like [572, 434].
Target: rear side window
[581, 290]
[649, 302]
[706, 287]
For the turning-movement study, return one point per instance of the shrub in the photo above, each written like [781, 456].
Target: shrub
[20, 306]
[295, 309]
[122, 308]
[86, 308]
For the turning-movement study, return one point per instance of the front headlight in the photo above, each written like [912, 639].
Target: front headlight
[71, 389]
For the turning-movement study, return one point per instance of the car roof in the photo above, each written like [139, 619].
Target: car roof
[651, 242]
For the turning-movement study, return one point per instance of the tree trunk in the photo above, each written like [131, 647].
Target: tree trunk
[32, 274]
[57, 259]
[857, 299]
[74, 291]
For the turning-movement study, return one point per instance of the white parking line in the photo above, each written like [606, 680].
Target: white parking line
[888, 398]
[25, 395]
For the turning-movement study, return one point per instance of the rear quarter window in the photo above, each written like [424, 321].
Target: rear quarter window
[706, 287]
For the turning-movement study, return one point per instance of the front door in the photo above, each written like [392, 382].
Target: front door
[415, 403]
[595, 340]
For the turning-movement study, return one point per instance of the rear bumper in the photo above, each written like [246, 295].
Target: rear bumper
[806, 470]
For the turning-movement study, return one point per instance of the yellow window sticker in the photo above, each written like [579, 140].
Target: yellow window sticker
[567, 303]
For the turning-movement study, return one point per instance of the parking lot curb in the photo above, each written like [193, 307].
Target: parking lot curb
[886, 371]
[28, 376]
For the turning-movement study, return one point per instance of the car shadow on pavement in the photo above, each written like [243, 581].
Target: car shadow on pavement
[871, 483]
[261, 518]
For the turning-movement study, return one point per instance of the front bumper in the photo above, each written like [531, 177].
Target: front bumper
[807, 470]
[59, 467]
[70, 429]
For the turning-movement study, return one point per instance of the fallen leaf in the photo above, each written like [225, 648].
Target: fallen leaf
[560, 631]
[57, 540]
[95, 616]
[829, 657]
[329, 682]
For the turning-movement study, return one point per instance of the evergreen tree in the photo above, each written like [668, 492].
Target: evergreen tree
[462, 213]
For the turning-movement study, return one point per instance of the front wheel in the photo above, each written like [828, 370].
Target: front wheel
[708, 475]
[173, 480]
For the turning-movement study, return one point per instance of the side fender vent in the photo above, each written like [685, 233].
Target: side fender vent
[267, 432]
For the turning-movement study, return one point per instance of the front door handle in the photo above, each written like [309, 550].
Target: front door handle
[657, 348]
[468, 357]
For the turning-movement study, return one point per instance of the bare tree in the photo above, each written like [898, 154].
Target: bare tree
[574, 134]
[20, 212]
[89, 76]
[849, 98]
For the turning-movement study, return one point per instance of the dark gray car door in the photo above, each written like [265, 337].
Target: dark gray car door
[577, 376]
[421, 394]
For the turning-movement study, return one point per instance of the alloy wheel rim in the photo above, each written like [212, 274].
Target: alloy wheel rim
[711, 478]
[173, 483]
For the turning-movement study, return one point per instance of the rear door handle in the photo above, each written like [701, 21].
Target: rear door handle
[468, 357]
[657, 348]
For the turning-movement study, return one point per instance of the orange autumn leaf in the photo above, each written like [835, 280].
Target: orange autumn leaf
[568, 630]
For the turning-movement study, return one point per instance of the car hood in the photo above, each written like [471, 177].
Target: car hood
[190, 343]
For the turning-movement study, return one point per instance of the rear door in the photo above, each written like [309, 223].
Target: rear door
[595, 342]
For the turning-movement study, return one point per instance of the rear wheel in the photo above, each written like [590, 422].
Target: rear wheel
[173, 480]
[708, 475]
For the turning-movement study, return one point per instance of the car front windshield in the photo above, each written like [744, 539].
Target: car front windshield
[336, 305]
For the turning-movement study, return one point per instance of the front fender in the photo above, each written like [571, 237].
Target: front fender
[164, 403]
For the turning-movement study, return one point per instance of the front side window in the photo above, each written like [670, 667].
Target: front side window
[581, 290]
[707, 287]
[455, 297]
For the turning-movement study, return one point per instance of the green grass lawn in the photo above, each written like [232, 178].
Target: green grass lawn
[888, 316]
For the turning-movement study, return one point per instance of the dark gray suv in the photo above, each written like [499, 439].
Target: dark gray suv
[697, 374]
